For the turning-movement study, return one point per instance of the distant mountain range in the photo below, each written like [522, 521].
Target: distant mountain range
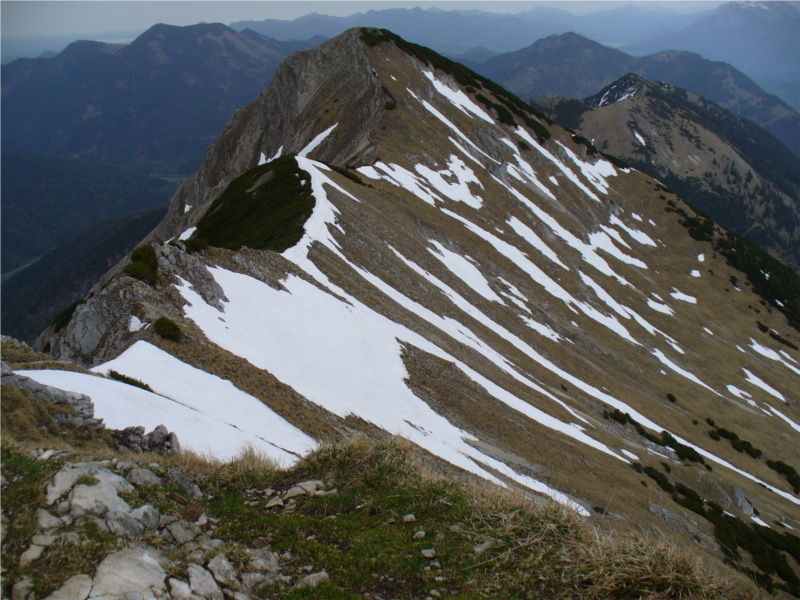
[761, 39]
[155, 104]
[717, 162]
[758, 38]
[456, 32]
[573, 66]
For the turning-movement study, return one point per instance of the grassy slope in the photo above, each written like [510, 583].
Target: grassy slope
[488, 543]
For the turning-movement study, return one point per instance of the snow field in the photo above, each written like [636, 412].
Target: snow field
[209, 414]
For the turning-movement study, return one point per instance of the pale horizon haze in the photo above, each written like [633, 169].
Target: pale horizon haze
[30, 27]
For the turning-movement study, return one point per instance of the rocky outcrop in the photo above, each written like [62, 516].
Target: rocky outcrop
[131, 438]
[82, 404]
[306, 82]
[160, 439]
[212, 568]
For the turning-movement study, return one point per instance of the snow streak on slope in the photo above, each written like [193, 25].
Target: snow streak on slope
[209, 414]
[458, 98]
[360, 337]
[341, 356]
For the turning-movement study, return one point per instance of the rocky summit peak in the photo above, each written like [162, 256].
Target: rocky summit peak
[627, 86]
[385, 240]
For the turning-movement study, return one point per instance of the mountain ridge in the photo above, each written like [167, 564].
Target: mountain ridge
[471, 277]
[719, 163]
[571, 65]
[115, 100]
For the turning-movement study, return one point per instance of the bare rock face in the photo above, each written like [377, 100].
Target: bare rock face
[306, 82]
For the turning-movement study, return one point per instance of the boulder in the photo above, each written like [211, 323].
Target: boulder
[130, 573]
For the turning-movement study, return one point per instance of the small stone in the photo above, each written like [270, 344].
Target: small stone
[203, 584]
[409, 518]
[47, 454]
[310, 487]
[123, 524]
[166, 520]
[183, 532]
[147, 515]
[429, 553]
[143, 477]
[222, 569]
[419, 535]
[31, 554]
[21, 589]
[313, 580]
[189, 486]
[74, 588]
[435, 593]
[253, 581]
[274, 501]
[262, 559]
[71, 538]
[202, 520]
[43, 540]
[179, 590]
[484, 546]
[293, 492]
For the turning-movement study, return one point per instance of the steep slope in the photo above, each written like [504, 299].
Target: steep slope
[758, 38]
[469, 277]
[573, 66]
[156, 103]
[47, 201]
[739, 174]
[34, 296]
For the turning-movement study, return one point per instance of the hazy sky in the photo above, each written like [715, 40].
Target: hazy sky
[32, 18]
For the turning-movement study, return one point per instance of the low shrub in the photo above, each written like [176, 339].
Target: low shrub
[168, 329]
[129, 380]
[144, 265]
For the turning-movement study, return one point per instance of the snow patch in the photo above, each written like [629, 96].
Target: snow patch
[315, 142]
[209, 414]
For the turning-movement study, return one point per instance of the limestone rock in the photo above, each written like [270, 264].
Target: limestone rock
[47, 522]
[68, 476]
[130, 573]
[311, 487]
[203, 584]
[31, 554]
[77, 587]
[142, 477]
[262, 559]
[313, 580]
[183, 532]
[222, 569]
[189, 486]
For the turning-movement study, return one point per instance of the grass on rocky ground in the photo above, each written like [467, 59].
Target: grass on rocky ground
[487, 543]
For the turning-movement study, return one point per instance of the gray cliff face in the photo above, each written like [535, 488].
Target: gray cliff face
[96, 332]
[317, 83]
[306, 83]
